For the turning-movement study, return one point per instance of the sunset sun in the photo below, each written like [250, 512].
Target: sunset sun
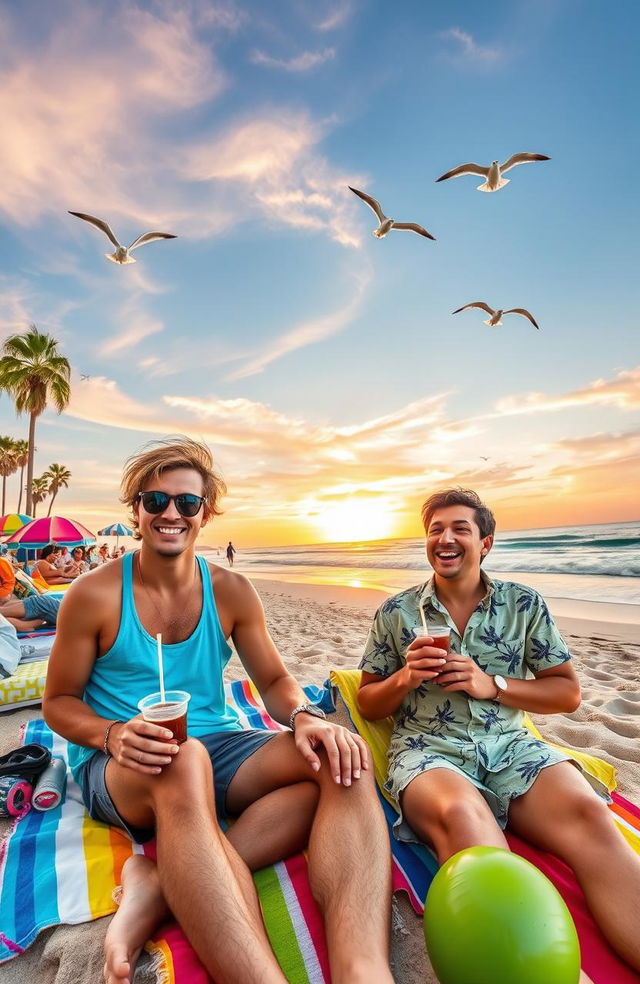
[354, 519]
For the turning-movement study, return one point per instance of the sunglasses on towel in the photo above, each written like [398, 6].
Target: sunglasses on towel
[187, 504]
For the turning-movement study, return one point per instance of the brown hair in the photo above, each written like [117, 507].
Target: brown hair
[484, 518]
[161, 456]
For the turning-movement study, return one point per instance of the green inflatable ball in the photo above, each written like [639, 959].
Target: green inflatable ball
[492, 918]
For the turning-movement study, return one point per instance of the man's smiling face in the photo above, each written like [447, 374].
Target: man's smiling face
[168, 532]
[454, 545]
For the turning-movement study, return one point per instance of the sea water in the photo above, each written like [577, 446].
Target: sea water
[590, 563]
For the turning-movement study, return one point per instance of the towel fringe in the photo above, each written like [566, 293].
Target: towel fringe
[160, 962]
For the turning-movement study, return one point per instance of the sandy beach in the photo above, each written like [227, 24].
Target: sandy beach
[318, 627]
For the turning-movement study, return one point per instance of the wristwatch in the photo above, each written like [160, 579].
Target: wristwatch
[308, 709]
[501, 687]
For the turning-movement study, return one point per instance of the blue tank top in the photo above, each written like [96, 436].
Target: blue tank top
[129, 670]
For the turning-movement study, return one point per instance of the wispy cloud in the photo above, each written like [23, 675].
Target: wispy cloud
[336, 17]
[303, 62]
[139, 324]
[306, 333]
[468, 49]
[84, 101]
[623, 392]
[272, 161]
[92, 101]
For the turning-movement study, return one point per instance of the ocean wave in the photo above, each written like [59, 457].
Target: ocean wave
[550, 566]
[572, 543]
[610, 550]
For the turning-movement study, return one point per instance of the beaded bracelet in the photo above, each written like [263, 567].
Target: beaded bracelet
[105, 743]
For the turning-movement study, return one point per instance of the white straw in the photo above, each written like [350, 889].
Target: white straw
[160, 669]
[424, 621]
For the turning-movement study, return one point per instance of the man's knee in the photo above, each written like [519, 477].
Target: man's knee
[589, 811]
[450, 815]
[189, 774]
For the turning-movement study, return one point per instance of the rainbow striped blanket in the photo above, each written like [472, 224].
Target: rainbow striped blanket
[62, 867]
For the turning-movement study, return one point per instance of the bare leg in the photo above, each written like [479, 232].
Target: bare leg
[205, 883]
[447, 811]
[562, 814]
[12, 607]
[271, 829]
[142, 908]
[276, 826]
[350, 875]
[25, 625]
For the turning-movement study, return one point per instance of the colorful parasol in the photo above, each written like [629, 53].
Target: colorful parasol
[117, 530]
[52, 529]
[12, 522]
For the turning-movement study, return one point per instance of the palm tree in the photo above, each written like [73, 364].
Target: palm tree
[21, 451]
[33, 373]
[39, 490]
[58, 477]
[8, 464]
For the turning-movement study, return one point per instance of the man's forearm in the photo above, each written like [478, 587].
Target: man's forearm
[282, 696]
[378, 700]
[74, 720]
[544, 695]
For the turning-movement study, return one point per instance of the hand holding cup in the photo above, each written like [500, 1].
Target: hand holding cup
[426, 656]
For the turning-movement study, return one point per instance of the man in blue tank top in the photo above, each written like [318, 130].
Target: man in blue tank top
[286, 788]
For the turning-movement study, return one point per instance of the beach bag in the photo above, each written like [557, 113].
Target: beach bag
[24, 585]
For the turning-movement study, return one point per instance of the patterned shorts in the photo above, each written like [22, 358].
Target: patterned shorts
[501, 767]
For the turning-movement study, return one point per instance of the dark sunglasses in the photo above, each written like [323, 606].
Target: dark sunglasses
[187, 504]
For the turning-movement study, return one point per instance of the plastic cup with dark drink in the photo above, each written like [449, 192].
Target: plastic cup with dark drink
[441, 635]
[168, 710]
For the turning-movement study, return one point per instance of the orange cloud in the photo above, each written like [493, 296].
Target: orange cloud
[623, 392]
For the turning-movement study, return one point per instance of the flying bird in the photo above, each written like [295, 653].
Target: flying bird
[495, 316]
[121, 254]
[484, 457]
[386, 225]
[83, 376]
[494, 172]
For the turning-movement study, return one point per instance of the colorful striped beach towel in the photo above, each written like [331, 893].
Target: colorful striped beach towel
[419, 866]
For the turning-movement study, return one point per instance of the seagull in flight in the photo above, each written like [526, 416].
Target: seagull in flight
[83, 376]
[495, 316]
[494, 172]
[121, 254]
[386, 225]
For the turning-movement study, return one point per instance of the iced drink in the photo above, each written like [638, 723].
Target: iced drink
[170, 713]
[440, 635]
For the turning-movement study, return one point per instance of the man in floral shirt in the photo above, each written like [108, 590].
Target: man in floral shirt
[461, 763]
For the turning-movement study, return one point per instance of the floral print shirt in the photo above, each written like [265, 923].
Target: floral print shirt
[510, 633]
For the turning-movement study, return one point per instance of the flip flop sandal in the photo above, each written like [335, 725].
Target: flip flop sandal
[26, 762]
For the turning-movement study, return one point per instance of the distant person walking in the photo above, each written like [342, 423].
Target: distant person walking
[230, 552]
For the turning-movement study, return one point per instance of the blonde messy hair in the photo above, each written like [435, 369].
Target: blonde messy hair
[158, 457]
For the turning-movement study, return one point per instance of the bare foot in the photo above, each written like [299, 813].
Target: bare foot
[142, 908]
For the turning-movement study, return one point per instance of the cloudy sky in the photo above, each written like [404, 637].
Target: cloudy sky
[324, 366]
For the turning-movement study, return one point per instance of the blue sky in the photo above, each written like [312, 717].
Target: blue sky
[324, 366]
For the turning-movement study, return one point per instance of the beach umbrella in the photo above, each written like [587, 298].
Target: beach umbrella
[117, 530]
[52, 529]
[12, 522]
